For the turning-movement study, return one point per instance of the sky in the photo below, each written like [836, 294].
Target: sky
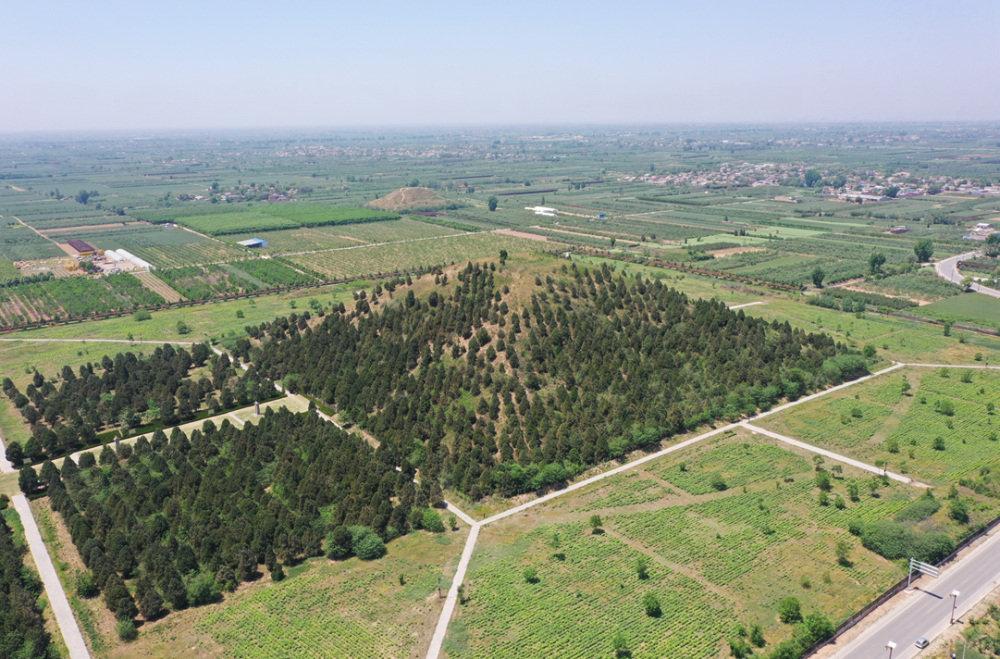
[115, 64]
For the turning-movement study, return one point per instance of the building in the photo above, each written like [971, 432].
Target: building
[253, 243]
[129, 256]
[82, 248]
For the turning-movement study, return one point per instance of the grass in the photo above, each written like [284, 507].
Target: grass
[714, 559]
[971, 307]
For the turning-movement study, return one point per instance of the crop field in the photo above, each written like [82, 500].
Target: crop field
[197, 282]
[270, 274]
[128, 236]
[72, 297]
[342, 609]
[172, 256]
[158, 286]
[316, 215]
[714, 559]
[894, 338]
[885, 424]
[305, 239]
[224, 224]
[19, 243]
[369, 261]
[921, 285]
[7, 270]
[971, 307]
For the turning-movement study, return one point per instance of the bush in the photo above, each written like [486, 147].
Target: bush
[202, 590]
[142, 315]
[652, 605]
[790, 610]
[431, 521]
[938, 444]
[368, 546]
[86, 587]
[530, 575]
[892, 540]
[958, 511]
[717, 482]
[126, 630]
[277, 574]
[919, 509]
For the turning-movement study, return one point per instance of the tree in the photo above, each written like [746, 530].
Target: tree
[892, 191]
[278, 573]
[790, 610]
[492, 202]
[620, 645]
[82, 197]
[613, 241]
[126, 630]
[182, 328]
[27, 480]
[503, 257]
[757, 636]
[812, 177]
[595, 523]
[148, 599]
[202, 590]
[642, 569]
[958, 511]
[530, 575]
[843, 552]
[924, 249]
[652, 605]
[15, 454]
[818, 276]
[875, 263]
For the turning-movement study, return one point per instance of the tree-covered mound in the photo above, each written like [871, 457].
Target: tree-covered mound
[491, 395]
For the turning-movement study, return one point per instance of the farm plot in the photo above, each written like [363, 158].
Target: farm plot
[172, 256]
[20, 243]
[71, 297]
[197, 282]
[271, 274]
[941, 431]
[365, 261]
[158, 286]
[8, 270]
[344, 609]
[228, 223]
[713, 560]
[317, 215]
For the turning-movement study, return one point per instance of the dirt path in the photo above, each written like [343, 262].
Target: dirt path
[522, 234]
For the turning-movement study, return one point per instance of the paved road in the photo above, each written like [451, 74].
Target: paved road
[53, 587]
[927, 612]
[449, 604]
[948, 268]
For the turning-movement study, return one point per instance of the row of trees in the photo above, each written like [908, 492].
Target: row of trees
[124, 392]
[22, 628]
[591, 365]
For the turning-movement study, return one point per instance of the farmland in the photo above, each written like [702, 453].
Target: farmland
[276, 218]
[724, 553]
[885, 424]
[333, 237]
[73, 297]
[370, 261]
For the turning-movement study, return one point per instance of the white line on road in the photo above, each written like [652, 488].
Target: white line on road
[831, 454]
[53, 587]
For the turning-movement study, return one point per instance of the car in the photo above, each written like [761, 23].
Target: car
[922, 643]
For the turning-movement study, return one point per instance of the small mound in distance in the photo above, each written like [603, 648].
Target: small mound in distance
[405, 199]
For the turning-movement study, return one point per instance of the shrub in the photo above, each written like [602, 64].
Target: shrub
[958, 511]
[432, 521]
[86, 587]
[530, 575]
[126, 630]
[790, 610]
[278, 574]
[142, 315]
[368, 546]
[202, 590]
[919, 509]
[339, 543]
[892, 540]
[652, 605]
[717, 482]
[938, 444]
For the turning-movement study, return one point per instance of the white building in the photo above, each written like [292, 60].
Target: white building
[129, 256]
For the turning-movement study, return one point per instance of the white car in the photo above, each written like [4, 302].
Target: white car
[922, 643]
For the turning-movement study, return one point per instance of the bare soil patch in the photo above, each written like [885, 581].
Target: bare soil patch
[522, 234]
[408, 198]
[720, 253]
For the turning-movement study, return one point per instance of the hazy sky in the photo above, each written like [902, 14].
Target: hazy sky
[131, 64]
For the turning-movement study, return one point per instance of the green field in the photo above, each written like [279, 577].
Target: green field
[715, 558]
[318, 238]
[376, 259]
[971, 307]
[884, 424]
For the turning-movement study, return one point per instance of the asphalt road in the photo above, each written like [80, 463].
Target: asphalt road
[927, 612]
[948, 268]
